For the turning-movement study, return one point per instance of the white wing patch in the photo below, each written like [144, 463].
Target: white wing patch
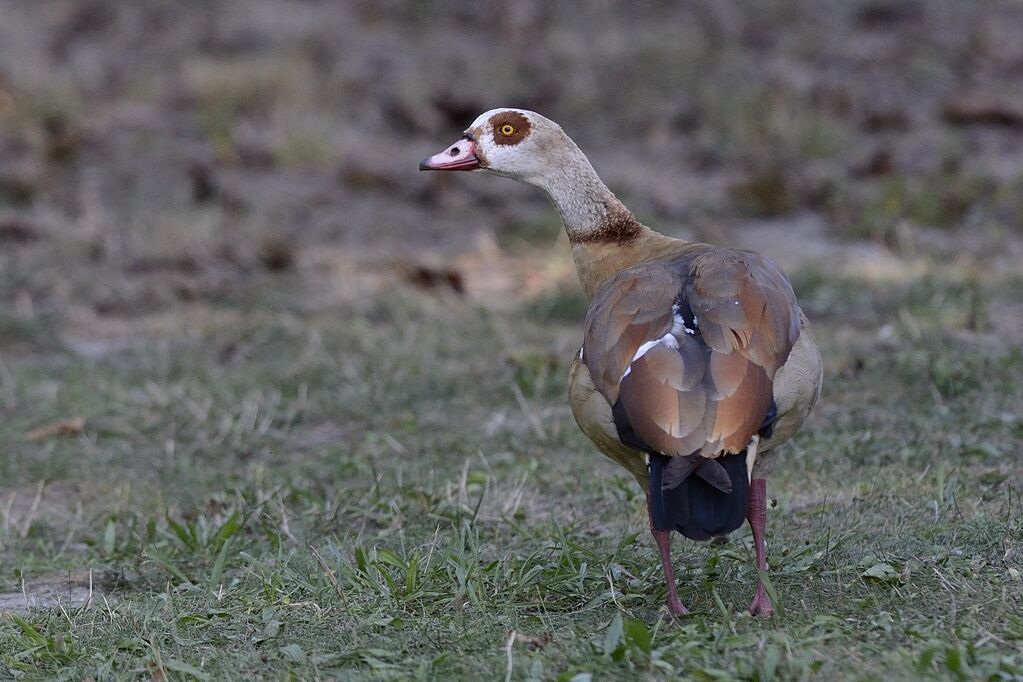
[678, 324]
[669, 340]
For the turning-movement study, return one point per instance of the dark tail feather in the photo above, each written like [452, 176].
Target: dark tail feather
[706, 497]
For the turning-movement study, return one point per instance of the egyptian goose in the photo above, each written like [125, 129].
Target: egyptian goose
[696, 360]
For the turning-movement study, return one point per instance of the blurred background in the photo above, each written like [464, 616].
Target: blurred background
[272, 400]
[154, 154]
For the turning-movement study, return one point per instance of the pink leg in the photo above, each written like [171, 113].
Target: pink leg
[663, 540]
[756, 514]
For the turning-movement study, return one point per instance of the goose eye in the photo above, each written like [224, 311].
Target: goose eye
[507, 130]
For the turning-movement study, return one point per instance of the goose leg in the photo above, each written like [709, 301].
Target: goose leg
[756, 514]
[663, 540]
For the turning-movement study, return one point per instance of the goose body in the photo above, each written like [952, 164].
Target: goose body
[696, 361]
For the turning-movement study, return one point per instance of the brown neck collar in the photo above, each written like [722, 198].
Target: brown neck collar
[618, 227]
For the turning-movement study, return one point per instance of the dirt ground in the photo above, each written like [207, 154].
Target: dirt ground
[156, 155]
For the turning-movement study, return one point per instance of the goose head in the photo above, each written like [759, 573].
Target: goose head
[530, 148]
[515, 143]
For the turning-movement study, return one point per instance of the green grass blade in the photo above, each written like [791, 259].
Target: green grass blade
[156, 555]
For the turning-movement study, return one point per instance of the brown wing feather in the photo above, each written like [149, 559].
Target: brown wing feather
[707, 391]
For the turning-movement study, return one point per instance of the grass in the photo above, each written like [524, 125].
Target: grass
[211, 472]
[397, 490]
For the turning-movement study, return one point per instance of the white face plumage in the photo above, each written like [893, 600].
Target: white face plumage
[507, 145]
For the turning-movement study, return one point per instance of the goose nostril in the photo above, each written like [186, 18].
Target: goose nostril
[454, 151]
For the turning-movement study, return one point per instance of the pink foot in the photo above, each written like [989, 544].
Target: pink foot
[761, 605]
[663, 540]
[675, 605]
[756, 513]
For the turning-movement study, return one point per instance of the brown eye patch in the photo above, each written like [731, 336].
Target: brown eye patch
[510, 127]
